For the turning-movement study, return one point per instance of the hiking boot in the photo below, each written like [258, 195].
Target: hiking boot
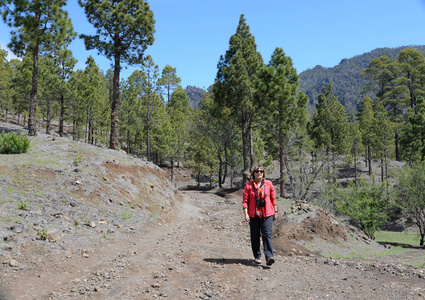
[270, 261]
[257, 261]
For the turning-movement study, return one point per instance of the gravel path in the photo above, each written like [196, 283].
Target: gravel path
[203, 253]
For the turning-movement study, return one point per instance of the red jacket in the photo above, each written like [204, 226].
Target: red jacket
[249, 201]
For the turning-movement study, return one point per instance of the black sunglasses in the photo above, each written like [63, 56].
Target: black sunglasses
[259, 171]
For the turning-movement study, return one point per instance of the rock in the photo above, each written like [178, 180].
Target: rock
[53, 236]
[13, 263]
[6, 247]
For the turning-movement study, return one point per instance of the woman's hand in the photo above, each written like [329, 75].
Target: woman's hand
[246, 215]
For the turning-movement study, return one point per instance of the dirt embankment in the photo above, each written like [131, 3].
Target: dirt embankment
[102, 225]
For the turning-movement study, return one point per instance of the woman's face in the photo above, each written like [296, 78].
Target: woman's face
[259, 174]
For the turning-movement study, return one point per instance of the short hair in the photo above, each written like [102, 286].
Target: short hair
[258, 168]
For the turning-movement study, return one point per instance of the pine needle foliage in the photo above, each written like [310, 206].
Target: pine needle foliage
[12, 143]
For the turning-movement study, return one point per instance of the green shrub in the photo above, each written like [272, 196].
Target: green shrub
[42, 234]
[77, 160]
[126, 215]
[366, 203]
[23, 204]
[77, 221]
[12, 143]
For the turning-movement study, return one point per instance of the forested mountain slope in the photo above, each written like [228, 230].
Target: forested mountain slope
[345, 77]
[195, 95]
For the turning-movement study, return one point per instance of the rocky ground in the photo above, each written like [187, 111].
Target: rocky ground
[102, 225]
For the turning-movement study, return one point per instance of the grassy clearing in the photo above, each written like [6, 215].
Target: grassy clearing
[401, 242]
[402, 238]
[367, 253]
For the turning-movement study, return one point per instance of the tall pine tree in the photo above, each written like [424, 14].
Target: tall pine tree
[38, 25]
[279, 94]
[234, 86]
[124, 29]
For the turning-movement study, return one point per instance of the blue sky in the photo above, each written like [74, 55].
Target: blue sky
[192, 34]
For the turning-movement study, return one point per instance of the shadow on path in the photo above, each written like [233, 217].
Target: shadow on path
[235, 261]
[7, 130]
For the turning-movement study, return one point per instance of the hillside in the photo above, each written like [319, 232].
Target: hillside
[195, 95]
[82, 222]
[346, 77]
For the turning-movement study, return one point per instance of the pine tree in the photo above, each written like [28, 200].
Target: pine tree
[48, 90]
[151, 101]
[412, 63]
[367, 122]
[329, 125]
[279, 96]
[130, 110]
[169, 81]
[412, 138]
[384, 142]
[234, 86]
[391, 90]
[65, 63]
[21, 84]
[5, 83]
[180, 112]
[124, 29]
[217, 124]
[356, 143]
[39, 25]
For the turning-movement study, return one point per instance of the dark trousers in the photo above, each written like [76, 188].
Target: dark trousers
[263, 227]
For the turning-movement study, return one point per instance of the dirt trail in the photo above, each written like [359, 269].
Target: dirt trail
[200, 252]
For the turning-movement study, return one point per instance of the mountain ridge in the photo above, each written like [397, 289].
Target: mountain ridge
[345, 77]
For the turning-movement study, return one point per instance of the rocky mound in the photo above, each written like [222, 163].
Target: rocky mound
[72, 194]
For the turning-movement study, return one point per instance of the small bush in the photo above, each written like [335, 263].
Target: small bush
[12, 143]
[23, 205]
[42, 234]
[126, 215]
[365, 203]
[77, 221]
[77, 160]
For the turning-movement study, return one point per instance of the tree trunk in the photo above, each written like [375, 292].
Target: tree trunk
[220, 170]
[355, 164]
[251, 149]
[386, 164]
[226, 159]
[115, 103]
[245, 140]
[74, 129]
[366, 155]
[148, 128]
[48, 118]
[87, 125]
[128, 141]
[281, 159]
[32, 129]
[61, 117]
[172, 169]
[397, 150]
[369, 159]
[382, 169]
